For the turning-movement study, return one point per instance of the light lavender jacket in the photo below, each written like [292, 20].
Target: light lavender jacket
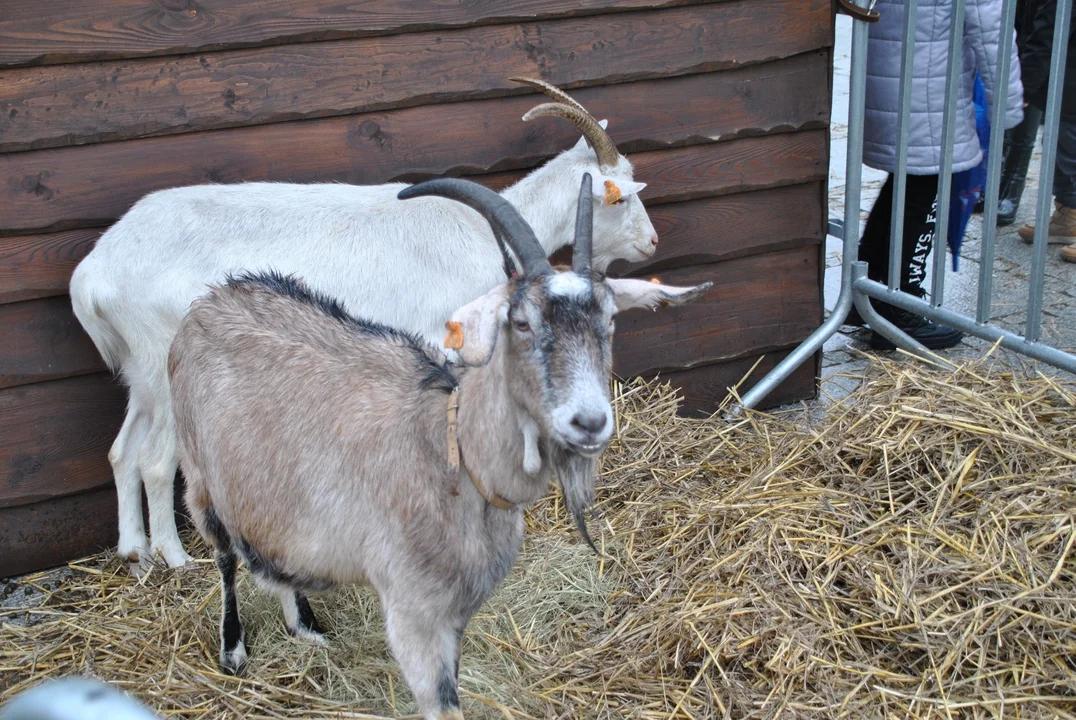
[982, 35]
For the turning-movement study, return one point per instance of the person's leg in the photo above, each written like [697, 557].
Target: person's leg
[1014, 172]
[874, 243]
[918, 235]
[1065, 187]
[1062, 229]
[920, 217]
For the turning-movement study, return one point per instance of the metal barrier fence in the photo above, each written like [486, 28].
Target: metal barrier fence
[856, 288]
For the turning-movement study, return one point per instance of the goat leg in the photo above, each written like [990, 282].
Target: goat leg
[300, 618]
[427, 651]
[233, 650]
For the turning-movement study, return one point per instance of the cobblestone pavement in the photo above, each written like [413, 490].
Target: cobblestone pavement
[1012, 264]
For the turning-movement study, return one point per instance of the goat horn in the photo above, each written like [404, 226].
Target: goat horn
[584, 229]
[603, 145]
[502, 217]
[552, 91]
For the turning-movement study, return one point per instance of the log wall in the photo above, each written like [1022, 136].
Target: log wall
[723, 108]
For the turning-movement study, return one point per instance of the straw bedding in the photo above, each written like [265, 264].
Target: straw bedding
[909, 555]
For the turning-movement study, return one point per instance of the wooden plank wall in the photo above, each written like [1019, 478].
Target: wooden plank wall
[722, 106]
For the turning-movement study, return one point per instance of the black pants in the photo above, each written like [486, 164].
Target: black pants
[920, 213]
[1065, 166]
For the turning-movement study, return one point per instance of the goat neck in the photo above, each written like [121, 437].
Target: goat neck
[494, 432]
[541, 198]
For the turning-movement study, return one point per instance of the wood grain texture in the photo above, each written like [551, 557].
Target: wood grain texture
[104, 101]
[698, 171]
[730, 226]
[42, 340]
[705, 388]
[67, 527]
[93, 185]
[758, 304]
[47, 534]
[65, 31]
[37, 266]
[55, 436]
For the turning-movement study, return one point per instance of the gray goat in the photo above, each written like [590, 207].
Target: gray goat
[324, 449]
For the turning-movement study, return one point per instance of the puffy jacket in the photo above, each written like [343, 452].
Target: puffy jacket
[982, 34]
[1035, 58]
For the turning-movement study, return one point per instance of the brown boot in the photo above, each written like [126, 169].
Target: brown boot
[1068, 253]
[1062, 227]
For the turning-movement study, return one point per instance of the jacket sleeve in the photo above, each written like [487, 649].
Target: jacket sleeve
[1037, 46]
[982, 35]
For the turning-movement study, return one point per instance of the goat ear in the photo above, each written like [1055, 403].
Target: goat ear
[473, 329]
[652, 295]
[583, 141]
[611, 191]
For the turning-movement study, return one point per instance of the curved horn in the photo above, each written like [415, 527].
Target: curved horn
[552, 91]
[502, 217]
[594, 133]
[584, 229]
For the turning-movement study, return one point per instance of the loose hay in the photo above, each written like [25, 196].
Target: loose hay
[909, 556]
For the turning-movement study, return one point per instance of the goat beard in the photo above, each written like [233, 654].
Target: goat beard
[576, 474]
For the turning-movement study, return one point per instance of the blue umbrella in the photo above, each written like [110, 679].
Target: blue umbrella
[968, 185]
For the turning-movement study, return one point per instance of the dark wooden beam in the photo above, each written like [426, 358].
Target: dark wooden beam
[42, 340]
[94, 102]
[72, 31]
[55, 436]
[37, 266]
[47, 534]
[705, 388]
[726, 227]
[93, 185]
[758, 304]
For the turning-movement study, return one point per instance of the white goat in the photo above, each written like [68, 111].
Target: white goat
[326, 450]
[408, 265]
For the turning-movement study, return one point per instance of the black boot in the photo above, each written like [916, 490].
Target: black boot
[1014, 173]
[854, 319]
[1005, 146]
[929, 334]
[1012, 186]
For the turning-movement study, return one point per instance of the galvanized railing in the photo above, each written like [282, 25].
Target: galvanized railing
[856, 288]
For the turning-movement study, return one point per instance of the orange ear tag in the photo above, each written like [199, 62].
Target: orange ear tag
[612, 193]
[655, 281]
[454, 339]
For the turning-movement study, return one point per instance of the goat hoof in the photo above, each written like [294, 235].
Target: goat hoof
[133, 551]
[172, 553]
[141, 565]
[233, 661]
[315, 637]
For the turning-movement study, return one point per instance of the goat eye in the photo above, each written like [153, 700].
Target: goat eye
[522, 325]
